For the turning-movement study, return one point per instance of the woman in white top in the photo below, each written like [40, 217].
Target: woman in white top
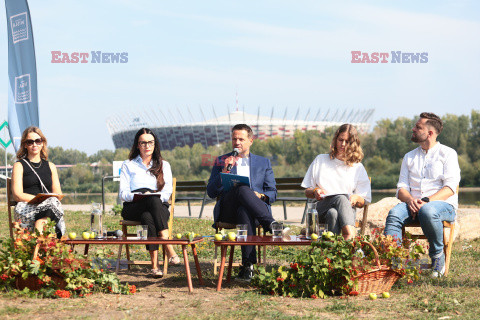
[147, 172]
[339, 182]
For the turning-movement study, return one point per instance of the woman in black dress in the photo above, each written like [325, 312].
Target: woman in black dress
[33, 174]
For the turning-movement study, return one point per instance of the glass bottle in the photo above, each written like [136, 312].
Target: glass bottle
[96, 224]
[311, 221]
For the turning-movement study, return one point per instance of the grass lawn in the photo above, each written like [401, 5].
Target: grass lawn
[455, 297]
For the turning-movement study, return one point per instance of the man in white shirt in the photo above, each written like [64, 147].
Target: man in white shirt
[427, 187]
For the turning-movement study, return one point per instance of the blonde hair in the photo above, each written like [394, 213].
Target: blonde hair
[23, 152]
[353, 150]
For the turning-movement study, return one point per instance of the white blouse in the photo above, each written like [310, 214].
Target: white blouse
[336, 177]
[134, 175]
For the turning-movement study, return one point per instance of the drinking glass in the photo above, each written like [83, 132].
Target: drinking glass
[277, 228]
[322, 227]
[241, 232]
[142, 232]
[102, 234]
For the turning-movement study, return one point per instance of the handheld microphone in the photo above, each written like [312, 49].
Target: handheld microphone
[234, 154]
[116, 233]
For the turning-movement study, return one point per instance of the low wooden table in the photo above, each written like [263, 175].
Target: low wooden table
[136, 241]
[251, 241]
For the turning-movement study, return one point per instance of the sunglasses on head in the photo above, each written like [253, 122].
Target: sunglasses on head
[30, 142]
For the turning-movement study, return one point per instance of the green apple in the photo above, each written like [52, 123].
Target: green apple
[329, 235]
[385, 295]
[86, 235]
[92, 235]
[372, 296]
[314, 236]
[218, 237]
[72, 235]
[232, 236]
[179, 236]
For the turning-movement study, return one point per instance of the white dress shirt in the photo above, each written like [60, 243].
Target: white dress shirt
[424, 173]
[134, 175]
[243, 167]
[336, 177]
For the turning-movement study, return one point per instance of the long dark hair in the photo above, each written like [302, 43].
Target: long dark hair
[157, 164]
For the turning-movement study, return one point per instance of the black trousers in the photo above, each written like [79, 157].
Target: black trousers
[151, 211]
[241, 206]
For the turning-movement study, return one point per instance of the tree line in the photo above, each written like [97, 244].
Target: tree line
[384, 148]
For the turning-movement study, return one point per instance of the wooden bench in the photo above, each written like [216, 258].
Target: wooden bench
[197, 187]
[291, 184]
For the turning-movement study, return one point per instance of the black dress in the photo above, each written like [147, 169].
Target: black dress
[31, 184]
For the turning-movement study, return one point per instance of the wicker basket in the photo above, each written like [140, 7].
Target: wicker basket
[32, 282]
[377, 280]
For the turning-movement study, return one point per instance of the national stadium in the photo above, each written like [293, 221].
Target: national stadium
[174, 130]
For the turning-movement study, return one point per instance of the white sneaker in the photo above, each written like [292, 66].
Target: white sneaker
[438, 274]
[438, 266]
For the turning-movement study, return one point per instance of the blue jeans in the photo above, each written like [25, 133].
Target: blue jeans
[430, 216]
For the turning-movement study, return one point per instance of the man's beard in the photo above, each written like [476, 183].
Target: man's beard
[418, 139]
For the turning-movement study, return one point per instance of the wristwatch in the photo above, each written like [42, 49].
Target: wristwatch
[425, 199]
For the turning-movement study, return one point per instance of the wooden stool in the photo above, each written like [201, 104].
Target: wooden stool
[129, 223]
[447, 239]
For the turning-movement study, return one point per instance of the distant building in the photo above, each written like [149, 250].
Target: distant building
[217, 129]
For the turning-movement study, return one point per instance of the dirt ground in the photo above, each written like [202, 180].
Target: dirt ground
[169, 299]
[166, 298]
[454, 297]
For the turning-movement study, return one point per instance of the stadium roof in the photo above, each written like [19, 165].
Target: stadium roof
[175, 118]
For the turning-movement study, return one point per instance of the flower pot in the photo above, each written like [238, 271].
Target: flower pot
[34, 283]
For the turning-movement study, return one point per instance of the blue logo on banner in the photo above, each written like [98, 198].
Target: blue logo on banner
[22, 89]
[19, 27]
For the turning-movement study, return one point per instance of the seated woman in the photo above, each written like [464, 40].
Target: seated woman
[339, 182]
[33, 174]
[147, 172]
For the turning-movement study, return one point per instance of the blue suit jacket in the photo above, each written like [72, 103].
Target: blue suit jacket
[261, 180]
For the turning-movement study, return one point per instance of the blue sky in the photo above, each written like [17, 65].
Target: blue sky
[282, 54]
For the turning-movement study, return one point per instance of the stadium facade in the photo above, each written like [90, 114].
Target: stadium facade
[174, 131]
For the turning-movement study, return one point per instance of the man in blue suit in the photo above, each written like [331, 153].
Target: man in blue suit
[244, 204]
